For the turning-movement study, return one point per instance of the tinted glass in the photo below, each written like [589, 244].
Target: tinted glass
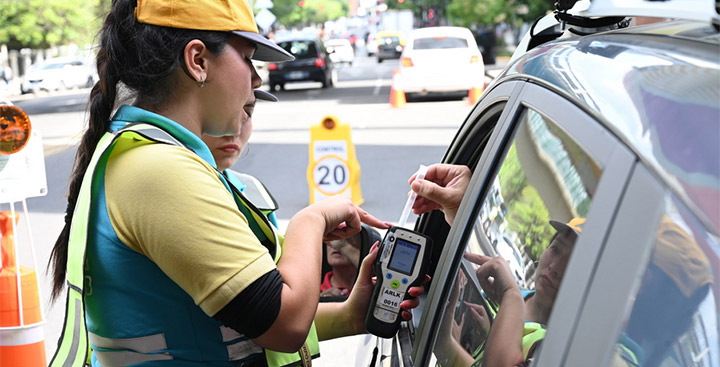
[673, 320]
[300, 49]
[389, 41]
[439, 42]
[544, 175]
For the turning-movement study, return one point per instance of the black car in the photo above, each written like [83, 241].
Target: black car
[390, 46]
[312, 63]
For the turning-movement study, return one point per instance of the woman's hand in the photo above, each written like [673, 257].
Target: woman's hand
[494, 275]
[342, 217]
[359, 300]
[443, 188]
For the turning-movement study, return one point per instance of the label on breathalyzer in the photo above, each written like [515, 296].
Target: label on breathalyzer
[389, 303]
[391, 299]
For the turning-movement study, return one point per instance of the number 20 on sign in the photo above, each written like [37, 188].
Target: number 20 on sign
[333, 168]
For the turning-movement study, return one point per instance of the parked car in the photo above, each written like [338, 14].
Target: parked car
[312, 63]
[390, 45]
[58, 74]
[617, 123]
[441, 60]
[341, 51]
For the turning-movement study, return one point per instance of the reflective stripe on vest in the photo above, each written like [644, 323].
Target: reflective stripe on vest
[74, 345]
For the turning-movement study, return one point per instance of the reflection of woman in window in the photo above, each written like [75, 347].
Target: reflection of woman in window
[520, 323]
[675, 283]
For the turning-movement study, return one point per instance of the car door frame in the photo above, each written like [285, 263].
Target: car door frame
[585, 130]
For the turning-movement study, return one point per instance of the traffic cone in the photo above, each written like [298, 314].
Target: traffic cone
[22, 342]
[474, 94]
[397, 95]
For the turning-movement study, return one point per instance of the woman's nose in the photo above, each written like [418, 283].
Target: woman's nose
[255, 80]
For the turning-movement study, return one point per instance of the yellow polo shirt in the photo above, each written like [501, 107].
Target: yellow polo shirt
[168, 204]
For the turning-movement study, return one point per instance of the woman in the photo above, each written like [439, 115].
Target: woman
[172, 265]
[520, 316]
[226, 151]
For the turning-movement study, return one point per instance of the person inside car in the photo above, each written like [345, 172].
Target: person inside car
[343, 256]
[519, 325]
[165, 259]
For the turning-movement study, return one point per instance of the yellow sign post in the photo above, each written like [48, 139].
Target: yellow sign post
[333, 168]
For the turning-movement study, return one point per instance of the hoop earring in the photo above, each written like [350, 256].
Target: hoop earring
[201, 83]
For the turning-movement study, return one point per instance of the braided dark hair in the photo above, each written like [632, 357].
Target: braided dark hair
[144, 59]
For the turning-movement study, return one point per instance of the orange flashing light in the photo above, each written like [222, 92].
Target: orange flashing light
[474, 59]
[406, 62]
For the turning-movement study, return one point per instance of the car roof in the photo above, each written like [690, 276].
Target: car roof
[297, 37]
[440, 31]
[656, 87]
[338, 41]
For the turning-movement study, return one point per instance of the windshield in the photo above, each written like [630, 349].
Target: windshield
[439, 42]
[300, 49]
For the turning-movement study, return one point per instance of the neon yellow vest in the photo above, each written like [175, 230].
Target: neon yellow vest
[73, 346]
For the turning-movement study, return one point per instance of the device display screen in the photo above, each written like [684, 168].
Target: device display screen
[403, 257]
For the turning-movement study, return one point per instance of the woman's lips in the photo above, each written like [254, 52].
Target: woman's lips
[230, 148]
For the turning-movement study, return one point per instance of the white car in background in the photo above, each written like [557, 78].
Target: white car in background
[341, 51]
[443, 60]
[59, 73]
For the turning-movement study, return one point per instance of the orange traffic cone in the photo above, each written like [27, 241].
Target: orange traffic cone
[474, 94]
[397, 95]
[22, 342]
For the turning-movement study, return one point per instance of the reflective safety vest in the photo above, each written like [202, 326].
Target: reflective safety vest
[74, 343]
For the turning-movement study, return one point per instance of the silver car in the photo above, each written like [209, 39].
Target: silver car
[58, 74]
[613, 132]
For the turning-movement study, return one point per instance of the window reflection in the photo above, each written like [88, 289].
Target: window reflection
[673, 319]
[531, 217]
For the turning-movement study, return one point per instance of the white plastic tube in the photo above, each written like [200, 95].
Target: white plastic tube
[411, 199]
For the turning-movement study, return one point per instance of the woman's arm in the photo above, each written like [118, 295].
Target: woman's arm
[335, 320]
[504, 343]
[300, 266]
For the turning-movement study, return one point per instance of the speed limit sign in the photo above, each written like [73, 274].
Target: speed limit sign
[333, 168]
[331, 175]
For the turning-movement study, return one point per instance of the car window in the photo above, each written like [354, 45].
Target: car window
[53, 66]
[439, 43]
[531, 215]
[300, 49]
[389, 40]
[673, 319]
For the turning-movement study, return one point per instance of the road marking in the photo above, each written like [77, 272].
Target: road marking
[378, 85]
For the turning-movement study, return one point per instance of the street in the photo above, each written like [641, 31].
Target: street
[390, 143]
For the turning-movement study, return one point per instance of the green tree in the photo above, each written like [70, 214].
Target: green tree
[44, 23]
[467, 13]
[291, 14]
[530, 219]
[527, 214]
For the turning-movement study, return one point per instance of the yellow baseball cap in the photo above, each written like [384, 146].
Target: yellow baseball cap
[574, 226]
[234, 16]
[680, 257]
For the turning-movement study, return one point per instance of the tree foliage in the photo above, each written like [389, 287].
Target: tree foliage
[527, 214]
[467, 13]
[289, 13]
[44, 23]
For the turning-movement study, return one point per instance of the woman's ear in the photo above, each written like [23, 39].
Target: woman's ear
[196, 63]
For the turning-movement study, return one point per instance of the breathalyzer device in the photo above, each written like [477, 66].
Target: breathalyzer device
[402, 261]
